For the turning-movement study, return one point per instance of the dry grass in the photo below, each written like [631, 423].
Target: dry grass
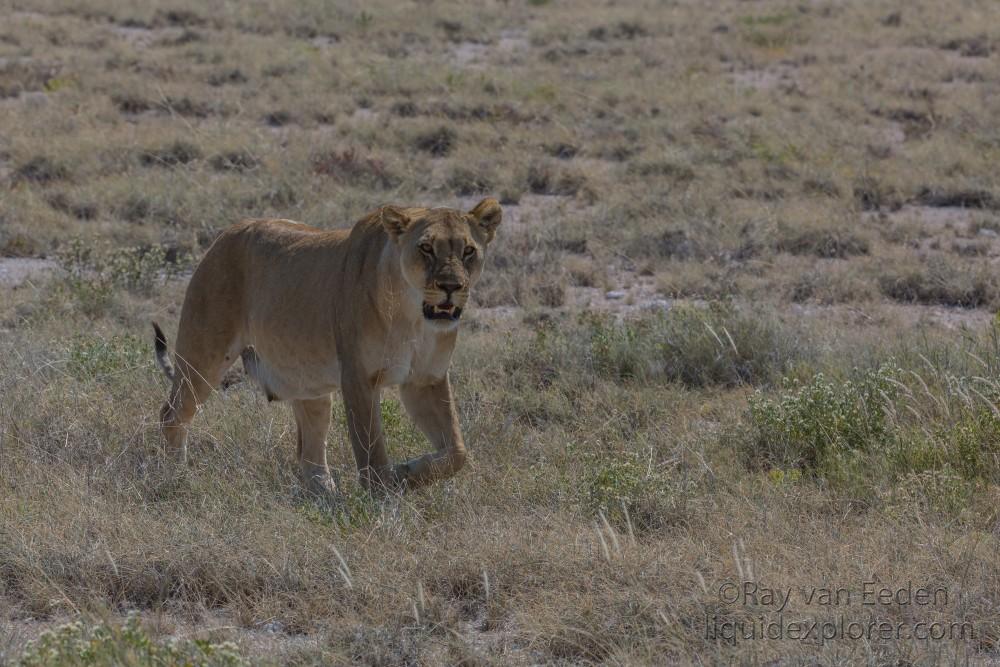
[699, 202]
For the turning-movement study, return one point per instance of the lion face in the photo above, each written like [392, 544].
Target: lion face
[442, 252]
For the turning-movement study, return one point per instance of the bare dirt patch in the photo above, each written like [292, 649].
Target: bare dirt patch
[885, 314]
[628, 293]
[932, 217]
[779, 76]
[18, 271]
[531, 210]
[507, 49]
[142, 37]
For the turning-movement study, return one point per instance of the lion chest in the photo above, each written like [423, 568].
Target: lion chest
[417, 357]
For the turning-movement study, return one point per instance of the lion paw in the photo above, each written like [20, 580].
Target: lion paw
[322, 486]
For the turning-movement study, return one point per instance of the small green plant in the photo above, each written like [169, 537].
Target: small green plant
[355, 508]
[56, 84]
[95, 273]
[943, 491]
[626, 489]
[780, 477]
[769, 31]
[399, 429]
[79, 645]
[615, 482]
[91, 357]
[364, 21]
[92, 298]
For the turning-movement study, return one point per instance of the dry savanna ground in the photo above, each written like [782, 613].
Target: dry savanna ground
[738, 326]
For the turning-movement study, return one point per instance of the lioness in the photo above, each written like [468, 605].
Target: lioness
[310, 310]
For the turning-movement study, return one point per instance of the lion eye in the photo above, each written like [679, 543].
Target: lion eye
[469, 252]
[426, 248]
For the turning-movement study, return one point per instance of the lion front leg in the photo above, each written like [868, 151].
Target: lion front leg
[364, 425]
[432, 409]
[312, 417]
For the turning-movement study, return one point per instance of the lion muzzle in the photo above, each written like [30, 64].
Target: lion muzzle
[442, 311]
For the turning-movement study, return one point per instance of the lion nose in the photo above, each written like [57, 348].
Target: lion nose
[449, 287]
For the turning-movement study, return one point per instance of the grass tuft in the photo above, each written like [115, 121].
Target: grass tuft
[42, 169]
[176, 153]
[939, 281]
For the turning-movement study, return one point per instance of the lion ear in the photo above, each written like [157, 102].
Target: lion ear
[488, 214]
[394, 220]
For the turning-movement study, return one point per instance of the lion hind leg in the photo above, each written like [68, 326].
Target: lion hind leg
[196, 375]
[175, 415]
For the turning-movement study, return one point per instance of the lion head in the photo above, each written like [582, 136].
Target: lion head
[441, 253]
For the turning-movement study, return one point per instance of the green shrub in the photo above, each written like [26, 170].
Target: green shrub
[352, 167]
[723, 345]
[674, 171]
[465, 181]
[616, 482]
[94, 274]
[135, 268]
[818, 427]
[886, 426]
[238, 160]
[616, 349]
[547, 179]
[941, 281]
[975, 444]
[79, 645]
[438, 142]
[92, 298]
[42, 169]
[829, 242]
[697, 347]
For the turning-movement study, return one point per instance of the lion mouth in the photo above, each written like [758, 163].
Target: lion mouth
[442, 311]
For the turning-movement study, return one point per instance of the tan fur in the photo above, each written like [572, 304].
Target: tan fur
[311, 311]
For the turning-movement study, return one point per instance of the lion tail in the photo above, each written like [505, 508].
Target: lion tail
[162, 358]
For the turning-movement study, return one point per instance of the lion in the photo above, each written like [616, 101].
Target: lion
[311, 310]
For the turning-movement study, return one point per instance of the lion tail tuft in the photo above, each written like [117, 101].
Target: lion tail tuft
[162, 358]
